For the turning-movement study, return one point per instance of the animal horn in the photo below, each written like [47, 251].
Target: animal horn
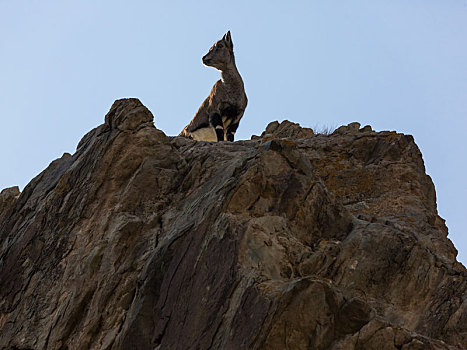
[228, 38]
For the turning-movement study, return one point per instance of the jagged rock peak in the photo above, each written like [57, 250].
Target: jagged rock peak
[8, 197]
[285, 129]
[352, 128]
[10, 192]
[288, 129]
[143, 241]
[128, 114]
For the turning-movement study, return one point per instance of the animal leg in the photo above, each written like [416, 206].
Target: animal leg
[231, 131]
[216, 122]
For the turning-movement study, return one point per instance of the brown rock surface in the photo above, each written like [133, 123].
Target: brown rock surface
[291, 241]
[8, 197]
[285, 129]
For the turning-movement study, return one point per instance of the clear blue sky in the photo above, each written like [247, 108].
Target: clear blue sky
[396, 65]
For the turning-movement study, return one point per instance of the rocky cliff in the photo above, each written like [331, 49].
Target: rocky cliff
[289, 241]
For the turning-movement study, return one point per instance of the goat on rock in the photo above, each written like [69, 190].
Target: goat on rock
[218, 117]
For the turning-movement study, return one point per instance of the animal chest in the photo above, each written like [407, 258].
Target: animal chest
[230, 114]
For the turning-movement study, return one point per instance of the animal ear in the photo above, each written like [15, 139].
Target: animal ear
[228, 39]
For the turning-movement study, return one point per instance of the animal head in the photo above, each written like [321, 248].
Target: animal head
[220, 55]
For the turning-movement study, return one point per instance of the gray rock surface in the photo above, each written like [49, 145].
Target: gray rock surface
[289, 241]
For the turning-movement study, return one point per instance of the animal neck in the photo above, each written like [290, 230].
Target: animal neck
[230, 75]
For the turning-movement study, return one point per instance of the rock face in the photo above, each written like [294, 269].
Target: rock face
[290, 241]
